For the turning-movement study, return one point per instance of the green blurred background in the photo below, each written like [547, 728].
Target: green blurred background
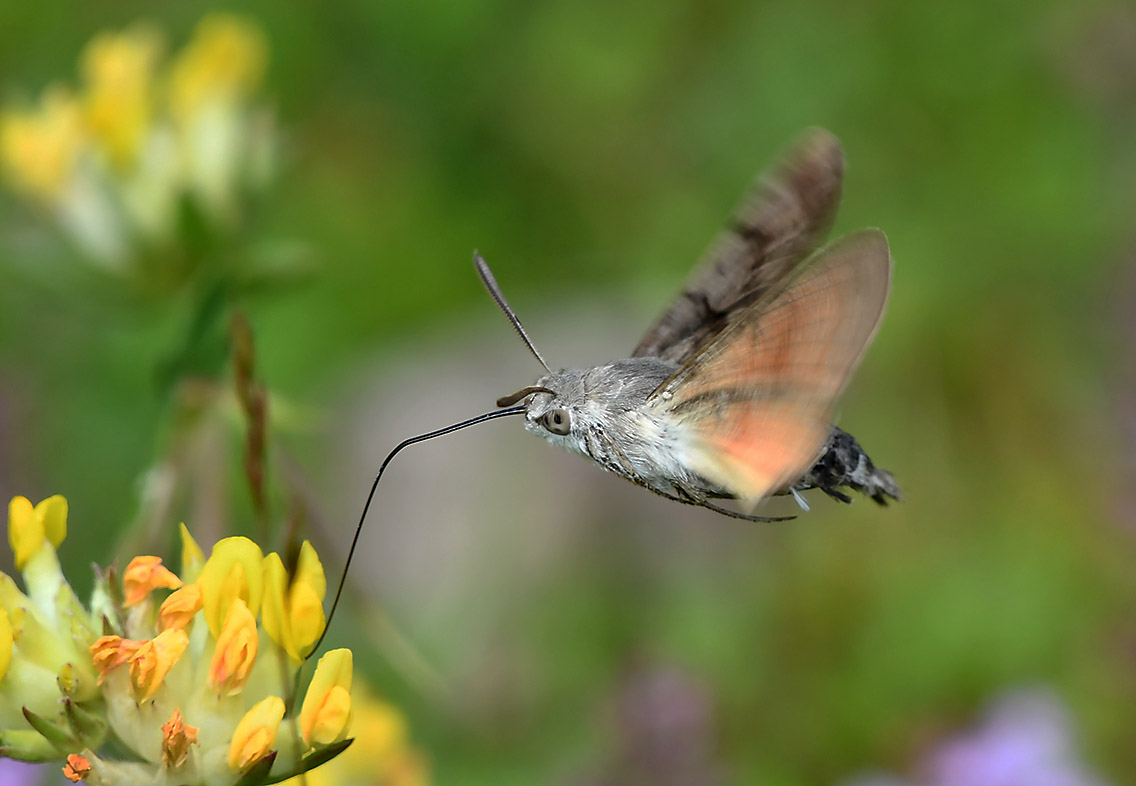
[590, 150]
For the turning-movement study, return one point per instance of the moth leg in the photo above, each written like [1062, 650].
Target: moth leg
[643, 484]
[690, 498]
[837, 495]
[685, 500]
[743, 516]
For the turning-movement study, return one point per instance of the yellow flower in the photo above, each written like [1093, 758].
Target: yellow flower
[153, 661]
[192, 558]
[40, 148]
[29, 528]
[179, 609]
[235, 653]
[326, 712]
[144, 574]
[187, 709]
[7, 642]
[115, 160]
[407, 768]
[48, 688]
[177, 737]
[232, 571]
[225, 61]
[225, 144]
[293, 606]
[381, 753]
[255, 735]
[118, 69]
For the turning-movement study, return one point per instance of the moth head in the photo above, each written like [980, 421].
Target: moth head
[554, 406]
[549, 415]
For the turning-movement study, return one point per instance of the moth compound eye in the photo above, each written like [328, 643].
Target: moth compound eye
[558, 421]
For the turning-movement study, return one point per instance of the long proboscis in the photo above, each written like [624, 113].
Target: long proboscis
[523, 393]
[498, 296]
[518, 410]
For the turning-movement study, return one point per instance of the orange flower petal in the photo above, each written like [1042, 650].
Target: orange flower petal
[177, 736]
[153, 661]
[236, 649]
[178, 610]
[77, 768]
[110, 652]
[143, 575]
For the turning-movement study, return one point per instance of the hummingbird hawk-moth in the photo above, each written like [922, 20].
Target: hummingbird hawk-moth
[730, 394]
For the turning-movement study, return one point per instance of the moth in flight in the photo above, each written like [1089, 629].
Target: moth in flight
[731, 393]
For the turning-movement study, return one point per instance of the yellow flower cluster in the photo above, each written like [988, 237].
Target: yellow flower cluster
[382, 754]
[49, 696]
[190, 684]
[114, 160]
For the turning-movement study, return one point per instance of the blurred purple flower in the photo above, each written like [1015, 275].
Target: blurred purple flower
[1025, 740]
[18, 773]
[664, 729]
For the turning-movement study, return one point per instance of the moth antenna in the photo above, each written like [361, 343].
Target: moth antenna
[500, 413]
[495, 291]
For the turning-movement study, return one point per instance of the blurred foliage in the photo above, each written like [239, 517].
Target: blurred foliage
[587, 146]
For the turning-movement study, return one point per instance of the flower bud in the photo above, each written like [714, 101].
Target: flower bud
[255, 735]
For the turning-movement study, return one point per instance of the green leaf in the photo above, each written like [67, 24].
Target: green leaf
[54, 732]
[89, 727]
[315, 759]
[257, 775]
[27, 745]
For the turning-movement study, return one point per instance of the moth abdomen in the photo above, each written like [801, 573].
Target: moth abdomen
[844, 464]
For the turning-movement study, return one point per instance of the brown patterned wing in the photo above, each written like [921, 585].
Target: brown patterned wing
[756, 401]
[783, 219]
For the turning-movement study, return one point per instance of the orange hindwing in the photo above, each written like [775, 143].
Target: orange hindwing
[757, 399]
